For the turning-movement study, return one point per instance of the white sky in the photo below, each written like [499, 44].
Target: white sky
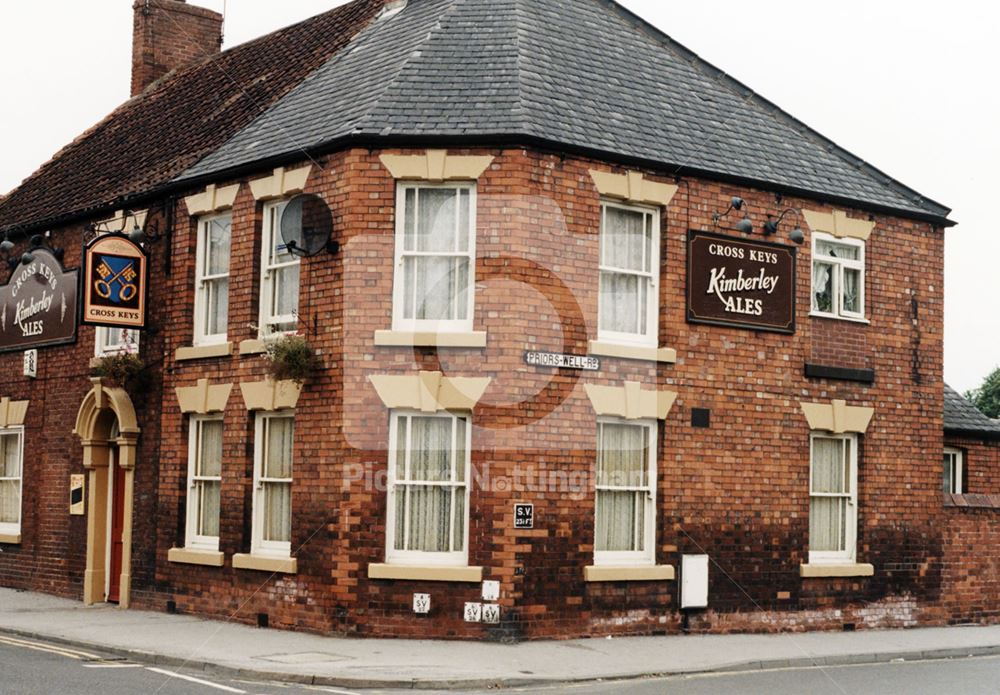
[907, 86]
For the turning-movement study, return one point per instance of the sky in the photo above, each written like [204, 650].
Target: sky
[908, 86]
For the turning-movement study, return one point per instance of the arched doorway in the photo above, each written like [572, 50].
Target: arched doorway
[108, 429]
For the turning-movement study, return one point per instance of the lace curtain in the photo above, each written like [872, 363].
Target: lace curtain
[215, 278]
[209, 477]
[277, 479]
[622, 487]
[436, 254]
[430, 499]
[626, 260]
[10, 479]
[830, 478]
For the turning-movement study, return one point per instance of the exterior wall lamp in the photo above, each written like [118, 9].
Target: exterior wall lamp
[745, 225]
[796, 235]
[27, 258]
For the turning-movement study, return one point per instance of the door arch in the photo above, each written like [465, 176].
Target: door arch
[101, 410]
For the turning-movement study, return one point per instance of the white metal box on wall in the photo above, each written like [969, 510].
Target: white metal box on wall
[694, 581]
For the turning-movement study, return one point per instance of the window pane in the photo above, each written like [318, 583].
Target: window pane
[10, 456]
[436, 220]
[430, 458]
[217, 309]
[464, 233]
[208, 513]
[835, 250]
[210, 457]
[400, 533]
[441, 287]
[430, 519]
[625, 240]
[217, 251]
[852, 290]
[460, 454]
[827, 524]
[401, 449]
[623, 457]
[279, 447]
[277, 511]
[410, 220]
[822, 287]
[285, 288]
[620, 302]
[10, 501]
[949, 478]
[829, 466]
[615, 526]
[459, 519]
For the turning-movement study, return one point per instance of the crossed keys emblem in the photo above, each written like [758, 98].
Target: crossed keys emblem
[124, 278]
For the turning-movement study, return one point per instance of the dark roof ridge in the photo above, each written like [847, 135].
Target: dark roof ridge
[794, 123]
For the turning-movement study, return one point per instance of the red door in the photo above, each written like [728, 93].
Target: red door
[117, 525]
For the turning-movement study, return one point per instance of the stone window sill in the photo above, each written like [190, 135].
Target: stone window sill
[10, 538]
[193, 556]
[201, 352]
[832, 317]
[253, 347]
[633, 352]
[647, 573]
[971, 501]
[470, 339]
[426, 573]
[263, 563]
[847, 569]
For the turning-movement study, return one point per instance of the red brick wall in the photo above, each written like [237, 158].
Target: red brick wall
[981, 474]
[51, 556]
[738, 490]
[970, 582]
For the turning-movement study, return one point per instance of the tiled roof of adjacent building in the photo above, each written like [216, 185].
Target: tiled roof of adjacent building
[961, 417]
[585, 74]
[152, 138]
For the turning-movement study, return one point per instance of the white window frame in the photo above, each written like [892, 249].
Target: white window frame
[839, 264]
[192, 538]
[849, 554]
[399, 322]
[652, 335]
[647, 556]
[957, 470]
[200, 294]
[104, 347]
[14, 528]
[272, 231]
[459, 558]
[258, 545]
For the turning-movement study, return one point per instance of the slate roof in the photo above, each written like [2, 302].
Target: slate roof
[961, 417]
[154, 137]
[585, 74]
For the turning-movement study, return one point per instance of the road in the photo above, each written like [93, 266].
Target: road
[33, 667]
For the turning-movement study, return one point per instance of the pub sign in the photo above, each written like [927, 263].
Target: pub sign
[38, 307]
[115, 278]
[740, 282]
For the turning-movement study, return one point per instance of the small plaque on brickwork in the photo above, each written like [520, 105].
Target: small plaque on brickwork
[491, 613]
[560, 361]
[524, 515]
[76, 484]
[422, 603]
[473, 612]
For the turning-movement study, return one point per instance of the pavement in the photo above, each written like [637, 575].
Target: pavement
[264, 654]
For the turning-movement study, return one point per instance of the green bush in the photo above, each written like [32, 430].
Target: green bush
[123, 369]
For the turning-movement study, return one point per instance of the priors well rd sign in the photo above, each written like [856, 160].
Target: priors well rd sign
[740, 283]
[38, 307]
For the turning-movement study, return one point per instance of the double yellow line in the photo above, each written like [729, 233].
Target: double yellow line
[49, 648]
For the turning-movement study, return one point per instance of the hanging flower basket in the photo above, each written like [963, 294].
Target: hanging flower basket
[292, 358]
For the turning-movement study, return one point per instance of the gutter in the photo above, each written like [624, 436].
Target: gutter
[372, 141]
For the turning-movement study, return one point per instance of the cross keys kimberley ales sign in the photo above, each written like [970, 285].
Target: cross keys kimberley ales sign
[740, 283]
[38, 306]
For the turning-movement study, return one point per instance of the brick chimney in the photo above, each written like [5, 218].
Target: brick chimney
[170, 34]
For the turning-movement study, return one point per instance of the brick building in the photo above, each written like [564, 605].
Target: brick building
[595, 311]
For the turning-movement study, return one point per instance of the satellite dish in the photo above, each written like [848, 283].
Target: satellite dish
[306, 225]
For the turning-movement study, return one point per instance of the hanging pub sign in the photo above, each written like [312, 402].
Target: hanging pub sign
[115, 278]
[740, 282]
[38, 307]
